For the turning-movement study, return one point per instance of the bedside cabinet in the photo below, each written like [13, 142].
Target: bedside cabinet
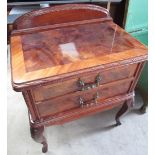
[70, 61]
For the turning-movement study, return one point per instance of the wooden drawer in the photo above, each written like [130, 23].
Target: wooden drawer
[41, 93]
[82, 98]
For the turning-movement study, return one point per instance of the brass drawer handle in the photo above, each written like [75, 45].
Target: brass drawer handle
[88, 103]
[86, 86]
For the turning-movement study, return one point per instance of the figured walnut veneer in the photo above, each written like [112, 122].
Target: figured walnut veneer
[71, 61]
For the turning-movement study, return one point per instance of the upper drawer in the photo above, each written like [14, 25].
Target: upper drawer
[44, 92]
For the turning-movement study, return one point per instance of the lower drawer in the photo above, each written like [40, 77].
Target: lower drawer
[82, 99]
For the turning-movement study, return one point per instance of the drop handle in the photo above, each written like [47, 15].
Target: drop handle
[86, 86]
[92, 102]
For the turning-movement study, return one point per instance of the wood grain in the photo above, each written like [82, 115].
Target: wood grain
[65, 117]
[52, 48]
[60, 14]
[47, 53]
[71, 101]
[59, 89]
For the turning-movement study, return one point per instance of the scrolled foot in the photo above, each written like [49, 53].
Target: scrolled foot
[45, 147]
[37, 133]
[118, 123]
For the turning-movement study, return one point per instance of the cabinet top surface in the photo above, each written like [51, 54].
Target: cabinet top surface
[61, 50]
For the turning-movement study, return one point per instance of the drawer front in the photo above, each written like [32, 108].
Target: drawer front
[41, 93]
[82, 99]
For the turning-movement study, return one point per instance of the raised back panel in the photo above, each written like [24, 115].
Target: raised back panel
[60, 14]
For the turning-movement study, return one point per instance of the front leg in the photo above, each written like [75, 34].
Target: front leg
[37, 135]
[123, 109]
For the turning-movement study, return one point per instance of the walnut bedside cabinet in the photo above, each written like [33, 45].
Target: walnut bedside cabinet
[70, 61]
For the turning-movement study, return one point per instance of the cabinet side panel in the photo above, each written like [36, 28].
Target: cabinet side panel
[137, 75]
[30, 105]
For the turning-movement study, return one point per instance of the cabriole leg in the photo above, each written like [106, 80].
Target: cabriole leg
[37, 133]
[123, 109]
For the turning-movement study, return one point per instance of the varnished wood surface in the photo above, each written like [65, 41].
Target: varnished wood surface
[63, 46]
[74, 114]
[71, 101]
[41, 55]
[61, 14]
[60, 55]
[51, 49]
[58, 89]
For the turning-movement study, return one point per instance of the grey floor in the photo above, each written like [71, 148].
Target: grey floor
[94, 135]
